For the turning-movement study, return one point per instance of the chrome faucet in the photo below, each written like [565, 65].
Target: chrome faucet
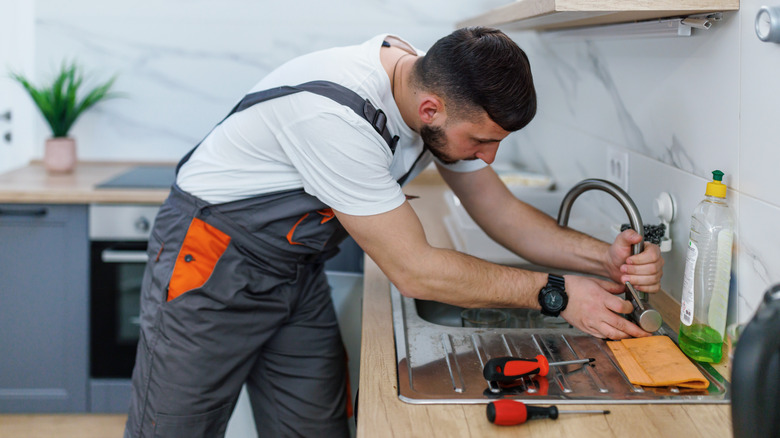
[649, 319]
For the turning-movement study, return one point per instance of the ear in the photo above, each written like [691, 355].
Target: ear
[430, 108]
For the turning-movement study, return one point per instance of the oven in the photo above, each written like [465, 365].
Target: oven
[118, 239]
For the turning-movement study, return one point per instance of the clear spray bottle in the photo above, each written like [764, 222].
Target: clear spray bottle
[705, 291]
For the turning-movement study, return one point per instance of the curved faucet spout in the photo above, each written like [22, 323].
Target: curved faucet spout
[634, 218]
[647, 318]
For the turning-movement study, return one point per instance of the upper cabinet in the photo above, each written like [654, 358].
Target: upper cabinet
[560, 14]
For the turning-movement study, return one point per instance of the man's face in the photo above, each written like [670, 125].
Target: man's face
[475, 137]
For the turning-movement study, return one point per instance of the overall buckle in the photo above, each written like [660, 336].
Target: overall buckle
[380, 121]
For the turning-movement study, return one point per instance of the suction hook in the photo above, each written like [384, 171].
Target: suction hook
[768, 24]
[664, 209]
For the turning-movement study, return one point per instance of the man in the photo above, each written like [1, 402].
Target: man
[235, 290]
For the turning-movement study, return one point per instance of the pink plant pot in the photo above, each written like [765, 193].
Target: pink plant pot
[60, 155]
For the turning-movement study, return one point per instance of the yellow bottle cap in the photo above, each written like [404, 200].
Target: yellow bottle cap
[715, 187]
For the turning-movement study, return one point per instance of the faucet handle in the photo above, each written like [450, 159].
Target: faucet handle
[635, 295]
[648, 319]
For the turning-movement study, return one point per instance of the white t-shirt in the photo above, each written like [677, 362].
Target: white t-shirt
[309, 141]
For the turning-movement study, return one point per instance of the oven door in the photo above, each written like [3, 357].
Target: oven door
[117, 270]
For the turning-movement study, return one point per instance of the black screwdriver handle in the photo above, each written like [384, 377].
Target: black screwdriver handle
[535, 412]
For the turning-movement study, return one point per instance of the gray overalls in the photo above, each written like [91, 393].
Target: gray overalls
[234, 293]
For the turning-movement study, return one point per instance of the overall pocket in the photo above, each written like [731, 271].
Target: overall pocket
[208, 424]
[311, 230]
[201, 249]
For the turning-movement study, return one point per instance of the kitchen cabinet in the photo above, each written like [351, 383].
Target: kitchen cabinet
[43, 308]
[560, 14]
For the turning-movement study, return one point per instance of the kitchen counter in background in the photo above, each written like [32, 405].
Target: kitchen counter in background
[382, 414]
[32, 184]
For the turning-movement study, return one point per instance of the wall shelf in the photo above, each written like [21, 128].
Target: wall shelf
[563, 14]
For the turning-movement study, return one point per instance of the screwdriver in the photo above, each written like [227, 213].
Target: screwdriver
[510, 412]
[507, 369]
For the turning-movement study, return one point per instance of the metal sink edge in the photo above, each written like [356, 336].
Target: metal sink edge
[439, 364]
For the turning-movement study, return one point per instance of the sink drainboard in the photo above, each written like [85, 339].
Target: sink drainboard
[441, 364]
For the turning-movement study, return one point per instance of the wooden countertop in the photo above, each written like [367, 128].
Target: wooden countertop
[382, 414]
[32, 184]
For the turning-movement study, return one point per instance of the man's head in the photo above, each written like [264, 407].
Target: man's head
[478, 75]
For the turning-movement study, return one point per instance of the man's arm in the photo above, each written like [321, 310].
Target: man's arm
[538, 238]
[396, 242]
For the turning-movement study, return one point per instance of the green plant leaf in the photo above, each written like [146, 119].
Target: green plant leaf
[59, 102]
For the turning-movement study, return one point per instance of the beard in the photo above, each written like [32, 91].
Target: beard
[436, 142]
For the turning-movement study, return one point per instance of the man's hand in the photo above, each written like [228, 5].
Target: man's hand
[594, 308]
[643, 270]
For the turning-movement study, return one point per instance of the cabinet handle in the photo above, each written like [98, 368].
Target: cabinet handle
[119, 256]
[37, 212]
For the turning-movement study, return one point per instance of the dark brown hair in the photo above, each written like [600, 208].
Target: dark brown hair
[479, 67]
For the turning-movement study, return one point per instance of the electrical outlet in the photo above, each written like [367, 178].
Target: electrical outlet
[617, 167]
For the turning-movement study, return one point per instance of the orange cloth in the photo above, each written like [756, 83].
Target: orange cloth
[656, 361]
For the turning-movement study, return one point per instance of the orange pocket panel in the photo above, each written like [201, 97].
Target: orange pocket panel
[292, 230]
[202, 247]
[327, 214]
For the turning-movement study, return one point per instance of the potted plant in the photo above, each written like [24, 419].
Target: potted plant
[61, 105]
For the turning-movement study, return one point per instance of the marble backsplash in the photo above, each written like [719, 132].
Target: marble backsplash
[183, 64]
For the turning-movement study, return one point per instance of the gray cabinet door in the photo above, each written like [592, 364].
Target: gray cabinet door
[43, 308]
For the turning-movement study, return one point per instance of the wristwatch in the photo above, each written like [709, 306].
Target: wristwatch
[552, 297]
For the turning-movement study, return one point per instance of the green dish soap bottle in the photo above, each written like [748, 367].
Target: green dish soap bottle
[707, 275]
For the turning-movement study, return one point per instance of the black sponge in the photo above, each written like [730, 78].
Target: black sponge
[653, 233]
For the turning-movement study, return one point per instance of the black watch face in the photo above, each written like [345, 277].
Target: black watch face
[553, 300]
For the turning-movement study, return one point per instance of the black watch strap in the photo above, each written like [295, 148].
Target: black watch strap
[556, 281]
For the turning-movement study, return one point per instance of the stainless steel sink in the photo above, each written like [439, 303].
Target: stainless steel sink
[441, 362]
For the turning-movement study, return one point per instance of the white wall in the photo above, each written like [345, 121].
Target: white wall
[184, 63]
[681, 107]
[16, 55]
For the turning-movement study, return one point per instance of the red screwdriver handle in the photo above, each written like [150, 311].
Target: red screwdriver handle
[506, 412]
[516, 367]
[510, 413]
[507, 369]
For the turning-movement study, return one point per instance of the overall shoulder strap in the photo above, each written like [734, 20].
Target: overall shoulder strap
[343, 95]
